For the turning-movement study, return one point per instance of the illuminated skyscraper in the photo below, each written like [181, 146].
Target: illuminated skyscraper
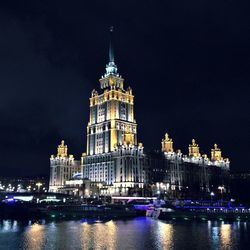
[113, 155]
[111, 121]
[115, 163]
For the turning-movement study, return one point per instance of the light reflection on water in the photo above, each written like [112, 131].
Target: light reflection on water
[225, 232]
[34, 237]
[98, 235]
[139, 233]
[164, 235]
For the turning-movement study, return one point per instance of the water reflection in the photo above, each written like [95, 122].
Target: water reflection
[139, 233]
[225, 233]
[215, 234]
[98, 235]
[164, 234]
[9, 226]
[34, 237]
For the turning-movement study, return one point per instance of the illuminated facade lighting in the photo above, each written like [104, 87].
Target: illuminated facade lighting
[113, 155]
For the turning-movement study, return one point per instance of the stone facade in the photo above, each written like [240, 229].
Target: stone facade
[192, 174]
[63, 167]
[115, 161]
[113, 155]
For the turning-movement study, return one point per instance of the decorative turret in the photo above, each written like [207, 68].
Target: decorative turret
[62, 150]
[94, 93]
[204, 156]
[128, 137]
[216, 153]
[167, 144]
[178, 152]
[194, 149]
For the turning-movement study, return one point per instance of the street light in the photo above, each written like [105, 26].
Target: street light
[86, 193]
[221, 188]
[39, 184]
[158, 193]
[211, 195]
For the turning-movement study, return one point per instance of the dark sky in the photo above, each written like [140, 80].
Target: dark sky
[187, 61]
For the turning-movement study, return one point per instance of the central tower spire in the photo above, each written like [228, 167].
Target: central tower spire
[111, 51]
[111, 68]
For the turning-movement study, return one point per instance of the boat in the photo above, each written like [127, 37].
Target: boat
[99, 212]
[200, 211]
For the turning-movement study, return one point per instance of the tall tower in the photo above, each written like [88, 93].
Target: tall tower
[113, 155]
[111, 120]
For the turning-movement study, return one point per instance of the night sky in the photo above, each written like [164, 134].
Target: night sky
[187, 62]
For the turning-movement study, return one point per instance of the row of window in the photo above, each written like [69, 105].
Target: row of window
[106, 159]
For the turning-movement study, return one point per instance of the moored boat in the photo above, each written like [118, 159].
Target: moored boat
[90, 211]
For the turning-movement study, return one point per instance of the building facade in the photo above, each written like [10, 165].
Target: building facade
[190, 175]
[114, 161]
[113, 155]
[63, 167]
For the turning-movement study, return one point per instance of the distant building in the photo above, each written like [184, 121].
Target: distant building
[24, 184]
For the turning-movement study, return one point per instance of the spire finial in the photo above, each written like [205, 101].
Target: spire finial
[111, 50]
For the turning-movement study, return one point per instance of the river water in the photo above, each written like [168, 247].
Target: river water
[139, 233]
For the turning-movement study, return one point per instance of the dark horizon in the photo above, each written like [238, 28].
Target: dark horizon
[187, 63]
